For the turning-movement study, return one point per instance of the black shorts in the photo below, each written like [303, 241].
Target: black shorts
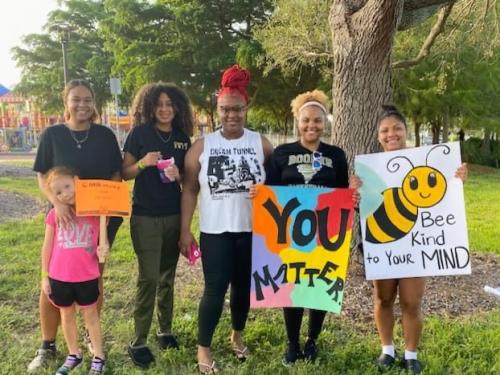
[65, 294]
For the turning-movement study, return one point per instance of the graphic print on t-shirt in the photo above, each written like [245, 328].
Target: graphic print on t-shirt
[232, 170]
[304, 164]
[76, 236]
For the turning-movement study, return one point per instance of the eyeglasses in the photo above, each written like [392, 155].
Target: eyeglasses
[316, 160]
[236, 109]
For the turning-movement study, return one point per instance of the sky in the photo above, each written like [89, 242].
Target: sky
[19, 17]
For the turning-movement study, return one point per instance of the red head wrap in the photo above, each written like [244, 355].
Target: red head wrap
[234, 82]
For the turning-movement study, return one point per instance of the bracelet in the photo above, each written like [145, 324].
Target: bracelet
[140, 165]
[44, 274]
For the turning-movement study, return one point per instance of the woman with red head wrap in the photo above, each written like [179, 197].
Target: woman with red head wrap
[223, 165]
[234, 82]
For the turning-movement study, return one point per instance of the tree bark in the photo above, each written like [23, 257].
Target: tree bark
[417, 132]
[486, 142]
[435, 128]
[363, 37]
[446, 124]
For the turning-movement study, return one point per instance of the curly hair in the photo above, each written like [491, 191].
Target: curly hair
[147, 101]
[70, 86]
[309, 96]
[138, 103]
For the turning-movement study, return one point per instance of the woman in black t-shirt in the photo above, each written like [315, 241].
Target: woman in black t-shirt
[154, 157]
[90, 150]
[307, 162]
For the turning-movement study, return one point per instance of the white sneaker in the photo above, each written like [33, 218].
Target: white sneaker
[43, 356]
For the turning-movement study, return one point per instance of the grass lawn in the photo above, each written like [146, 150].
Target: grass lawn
[464, 345]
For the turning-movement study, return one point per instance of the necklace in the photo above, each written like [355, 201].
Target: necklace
[79, 142]
[161, 138]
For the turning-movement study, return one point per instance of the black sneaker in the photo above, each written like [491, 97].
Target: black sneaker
[412, 365]
[386, 361]
[292, 354]
[141, 355]
[167, 341]
[310, 350]
[41, 360]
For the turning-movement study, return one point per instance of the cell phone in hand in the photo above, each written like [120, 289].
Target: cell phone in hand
[194, 254]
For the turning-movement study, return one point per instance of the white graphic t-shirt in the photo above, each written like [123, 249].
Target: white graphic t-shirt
[228, 168]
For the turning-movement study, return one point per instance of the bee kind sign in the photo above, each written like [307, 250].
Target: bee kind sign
[412, 213]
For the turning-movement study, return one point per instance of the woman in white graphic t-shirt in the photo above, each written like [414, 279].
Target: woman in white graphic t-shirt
[222, 166]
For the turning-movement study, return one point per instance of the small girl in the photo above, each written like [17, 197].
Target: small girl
[70, 271]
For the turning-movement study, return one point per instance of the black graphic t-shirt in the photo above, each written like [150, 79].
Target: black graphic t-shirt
[293, 164]
[152, 197]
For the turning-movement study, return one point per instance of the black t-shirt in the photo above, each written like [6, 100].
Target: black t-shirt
[99, 156]
[152, 197]
[292, 164]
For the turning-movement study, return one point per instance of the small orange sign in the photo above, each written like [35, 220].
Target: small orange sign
[102, 197]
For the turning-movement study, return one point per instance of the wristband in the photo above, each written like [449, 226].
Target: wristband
[140, 165]
[44, 274]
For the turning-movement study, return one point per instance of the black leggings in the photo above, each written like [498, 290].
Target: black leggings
[226, 260]
[293, 321]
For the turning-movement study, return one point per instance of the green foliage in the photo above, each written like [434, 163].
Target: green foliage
[475, 151]
[40, 59]
[459, 84]
[297, 35]
[188, 42]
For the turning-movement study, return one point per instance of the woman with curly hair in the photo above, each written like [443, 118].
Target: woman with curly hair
[164, 120]
[307, 162]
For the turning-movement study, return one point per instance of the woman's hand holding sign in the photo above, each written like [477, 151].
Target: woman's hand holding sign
[462, 172]
[355, 183]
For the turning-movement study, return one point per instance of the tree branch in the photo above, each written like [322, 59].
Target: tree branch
[411, 5]
[436, 29]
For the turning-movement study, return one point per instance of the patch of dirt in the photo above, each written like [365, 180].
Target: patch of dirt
[15, 205]
[12, 171]
[448, 296]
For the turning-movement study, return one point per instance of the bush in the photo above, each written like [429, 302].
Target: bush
[473, 152]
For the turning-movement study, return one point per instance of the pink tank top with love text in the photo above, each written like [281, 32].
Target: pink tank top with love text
[74, 250]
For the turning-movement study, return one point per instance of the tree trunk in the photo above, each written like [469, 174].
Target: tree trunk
[486, 143]
[446, 124]
[435, 128]
[362, 44]
[417, 132]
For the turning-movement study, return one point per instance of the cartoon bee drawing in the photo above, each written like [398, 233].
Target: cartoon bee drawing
[422, 187]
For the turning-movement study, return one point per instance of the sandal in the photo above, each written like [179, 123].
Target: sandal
[205, 368]
[241, 354]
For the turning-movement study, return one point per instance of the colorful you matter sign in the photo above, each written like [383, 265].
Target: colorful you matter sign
[412, 213]
[301, 240]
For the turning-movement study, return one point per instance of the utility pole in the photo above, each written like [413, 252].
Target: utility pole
[116, 89]
[63, 31]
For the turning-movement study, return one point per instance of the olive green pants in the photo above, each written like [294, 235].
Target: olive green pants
[155, 244]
